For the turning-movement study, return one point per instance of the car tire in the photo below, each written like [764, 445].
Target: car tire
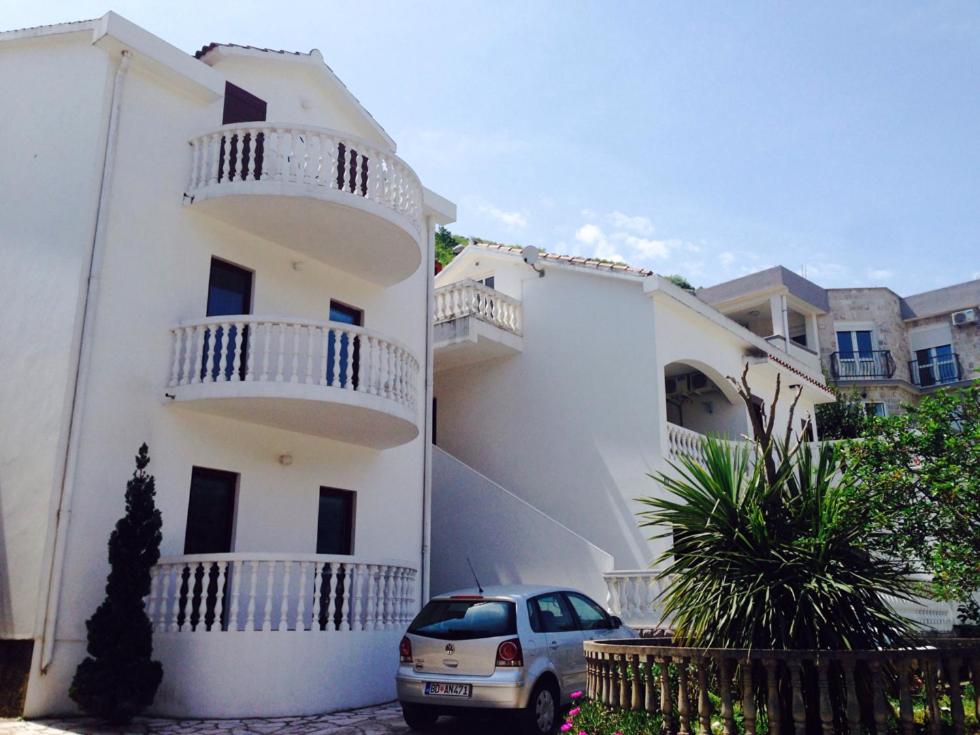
[540, 717]
[419, 717]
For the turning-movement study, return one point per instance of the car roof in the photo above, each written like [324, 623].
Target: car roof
[505, 591]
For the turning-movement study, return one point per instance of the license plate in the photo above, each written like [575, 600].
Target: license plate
[442, 689]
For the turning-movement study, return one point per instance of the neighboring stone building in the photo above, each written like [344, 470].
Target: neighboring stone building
[890, 349]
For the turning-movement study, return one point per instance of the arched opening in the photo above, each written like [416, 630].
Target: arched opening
[700, 399]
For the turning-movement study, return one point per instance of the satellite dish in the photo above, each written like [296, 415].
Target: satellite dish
[530, 255]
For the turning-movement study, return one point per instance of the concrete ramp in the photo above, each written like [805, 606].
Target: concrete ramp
[508, 540]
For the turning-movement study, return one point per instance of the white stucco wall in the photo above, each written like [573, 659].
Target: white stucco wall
[155, 275]
[507, 540]
[52, 156]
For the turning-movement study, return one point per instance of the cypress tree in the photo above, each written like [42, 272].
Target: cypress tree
[118, 679]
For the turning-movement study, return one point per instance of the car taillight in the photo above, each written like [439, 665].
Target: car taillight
[405, 650]
[509, 653]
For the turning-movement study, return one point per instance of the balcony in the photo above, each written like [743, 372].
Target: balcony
[321, 378]
[267, 635]
[802, 353]
[940, 370]
[862, 366]
[330, 195]
[474, 323]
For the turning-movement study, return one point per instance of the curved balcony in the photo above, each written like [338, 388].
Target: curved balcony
[325, 193]
[322, 378]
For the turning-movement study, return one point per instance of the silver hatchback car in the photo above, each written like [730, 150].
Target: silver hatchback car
[513, 647]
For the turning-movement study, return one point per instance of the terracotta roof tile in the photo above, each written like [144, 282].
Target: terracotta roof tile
[577, 260]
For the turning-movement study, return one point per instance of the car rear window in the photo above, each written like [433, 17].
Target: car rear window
[465, 619]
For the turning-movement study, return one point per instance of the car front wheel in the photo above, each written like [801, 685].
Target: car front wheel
[541, 714]
[418, 716]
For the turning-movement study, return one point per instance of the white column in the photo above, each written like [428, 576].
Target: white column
[812, 333]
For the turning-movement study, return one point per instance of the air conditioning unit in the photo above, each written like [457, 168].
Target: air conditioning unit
[965, 317]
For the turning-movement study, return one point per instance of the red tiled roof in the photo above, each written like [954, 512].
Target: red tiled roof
[214, 44]
[803, 375]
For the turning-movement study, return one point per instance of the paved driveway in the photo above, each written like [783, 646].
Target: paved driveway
[383, 720]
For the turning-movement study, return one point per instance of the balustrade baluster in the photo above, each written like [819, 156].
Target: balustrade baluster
[237, 362]
[878, 696]
[683, 702]
[385, 595]
[335, 370]
[178, 339]
[748, 698]
[283, 623]
[253, 575]
[773, 710]
[195, 165]
[357, 581]
[216, 157]
[324, 333]
[650, 700]
[826, 708]
[153, 599]
[240, 136]
[212, 331]
[725, 692]
[253, 147]
[282, 352]
[853, 707]
[704, 704]
[334, 572]
[219, 595]
[309, 354]
[799, 710]
[624, 682]
[349, 362]
[951, 667]
[294, 375]
[371, 612]
[221, 342]
[269, 586]
[236, 591]
[167, 617]
[301, 598]
[266, 345]
[345, 621]
[603, 679]
[636, 701]
[317, 586]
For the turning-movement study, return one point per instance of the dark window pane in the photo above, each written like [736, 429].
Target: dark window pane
[210, 512]
[335, 522]
[241, 106]
[844, 345]
[465, 619]
[229, 289]
[344, 314]
[590, 615]
[554, 615]
[864, 344]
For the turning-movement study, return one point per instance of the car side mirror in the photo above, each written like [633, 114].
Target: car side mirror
[616, 621]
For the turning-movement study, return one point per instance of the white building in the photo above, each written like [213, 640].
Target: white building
[221, 256]
[558, 389]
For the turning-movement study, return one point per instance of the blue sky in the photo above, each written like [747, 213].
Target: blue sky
[707, 139]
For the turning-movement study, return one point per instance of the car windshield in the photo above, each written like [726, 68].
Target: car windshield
[465, 619]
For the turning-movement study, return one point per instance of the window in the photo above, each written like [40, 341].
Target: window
[229, 294]
[487, 281]
[241, 106]
[335, 522]
[550, 614]
[340, 352]
[458, 619]
[590, 615]
[210, 511]
[875, 408]
[934, 366]
[857, 343]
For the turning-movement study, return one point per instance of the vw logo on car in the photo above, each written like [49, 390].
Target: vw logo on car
[450, 649]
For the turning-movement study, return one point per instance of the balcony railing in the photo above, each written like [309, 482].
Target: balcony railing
[686, 442]
[469, 298]
[790, 691]
[938, 371]
[317, 158]
[212, 593]
[868, 365]
[327, 356]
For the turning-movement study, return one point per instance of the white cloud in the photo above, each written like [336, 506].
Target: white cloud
[512, 220]
[880, 274]
[645, 248]
[636, 224]
[598, 245]
[726, 258]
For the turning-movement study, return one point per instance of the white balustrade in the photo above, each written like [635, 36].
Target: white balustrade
[315, 158]
[212, 593]
[469, 298]
[632, 595]
[328, 355]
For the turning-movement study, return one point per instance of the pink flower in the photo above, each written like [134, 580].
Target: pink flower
[566, 727]
[574, 711]
[575, 695]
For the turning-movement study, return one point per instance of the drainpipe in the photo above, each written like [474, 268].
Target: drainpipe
[430, 240]
[70, 465]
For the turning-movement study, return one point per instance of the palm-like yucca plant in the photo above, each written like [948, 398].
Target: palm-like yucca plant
[770, 551]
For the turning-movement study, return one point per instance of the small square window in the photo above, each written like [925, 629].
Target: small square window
[487, 281]
[875, 408]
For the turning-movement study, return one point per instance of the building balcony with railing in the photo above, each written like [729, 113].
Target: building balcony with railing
[322, 378]
[474, 322]
[935, 370]
[326, 193]
[865, 365]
